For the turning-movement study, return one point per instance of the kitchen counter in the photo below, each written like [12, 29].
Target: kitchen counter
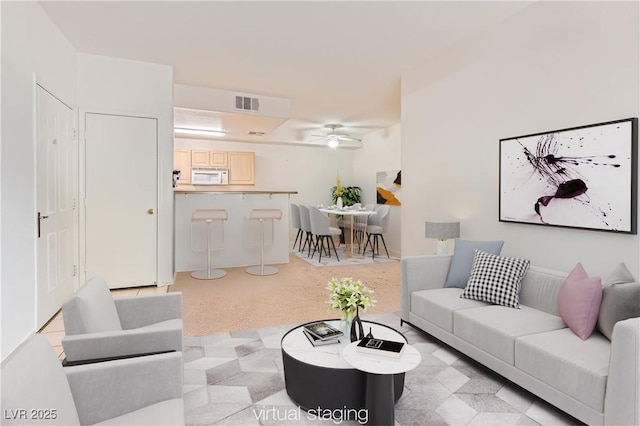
[224, 189]
[235, 242]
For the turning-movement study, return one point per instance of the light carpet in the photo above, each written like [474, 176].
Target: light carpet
[297, 293]
[237, 378]
[343, 259]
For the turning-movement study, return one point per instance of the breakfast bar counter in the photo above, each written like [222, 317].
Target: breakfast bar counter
[236, 241]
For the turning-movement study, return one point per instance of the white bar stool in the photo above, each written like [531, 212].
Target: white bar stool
[208, 216]
[263, 215]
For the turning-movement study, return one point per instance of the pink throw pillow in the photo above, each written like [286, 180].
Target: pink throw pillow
[579, 301]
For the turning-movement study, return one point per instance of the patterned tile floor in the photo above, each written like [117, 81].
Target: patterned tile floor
[237, 378]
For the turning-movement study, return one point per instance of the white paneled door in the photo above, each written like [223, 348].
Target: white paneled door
[121, 199]
[56, 205]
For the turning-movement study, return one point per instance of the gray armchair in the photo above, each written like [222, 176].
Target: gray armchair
[36, 389]
[99, 327]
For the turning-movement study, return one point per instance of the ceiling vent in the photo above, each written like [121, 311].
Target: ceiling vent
[246, 103]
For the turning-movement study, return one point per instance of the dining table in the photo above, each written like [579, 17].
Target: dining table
[353, 214]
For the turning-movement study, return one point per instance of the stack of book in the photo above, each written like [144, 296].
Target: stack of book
[380, 347]
[320, 333]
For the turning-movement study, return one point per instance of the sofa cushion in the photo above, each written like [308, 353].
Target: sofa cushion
[496, 279]
[495, 328]
[619, 302]
[539, 289]
[437, 306]
[462, 259]
[567, 363]
[579, 301]
[620, 275]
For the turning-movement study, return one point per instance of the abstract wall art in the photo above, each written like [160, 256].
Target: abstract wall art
[388, 186]
[580, 177]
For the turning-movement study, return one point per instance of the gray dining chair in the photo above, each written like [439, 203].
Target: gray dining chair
[323, 232]
[376, 227]
[305, 222]
[295, 222]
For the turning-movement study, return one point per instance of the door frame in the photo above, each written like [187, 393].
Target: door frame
[74, 190]
[82, 113]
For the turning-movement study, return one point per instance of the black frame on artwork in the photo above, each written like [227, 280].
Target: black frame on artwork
[581, 177]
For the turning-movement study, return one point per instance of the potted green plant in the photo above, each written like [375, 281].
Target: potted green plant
[349, 195]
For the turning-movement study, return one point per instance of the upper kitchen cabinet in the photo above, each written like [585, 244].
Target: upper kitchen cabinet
[218, 159]
[202, 158]
[182, 162]
[241, 168]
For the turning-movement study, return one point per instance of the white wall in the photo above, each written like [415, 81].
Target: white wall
[555, 65]
[113, 85]
[380, 152]
[309, 170]
[30, 44]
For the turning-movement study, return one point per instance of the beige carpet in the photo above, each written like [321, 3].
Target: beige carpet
[296, 294]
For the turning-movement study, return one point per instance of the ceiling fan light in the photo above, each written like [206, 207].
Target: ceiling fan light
[333, 143]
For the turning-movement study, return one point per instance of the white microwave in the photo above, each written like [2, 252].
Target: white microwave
[209, 176]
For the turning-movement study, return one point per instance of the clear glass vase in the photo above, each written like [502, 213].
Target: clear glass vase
[346, 319]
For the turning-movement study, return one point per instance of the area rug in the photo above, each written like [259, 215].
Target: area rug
[237, 378]
[343, 259]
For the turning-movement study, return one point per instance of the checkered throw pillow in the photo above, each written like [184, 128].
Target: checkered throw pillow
[496, 279]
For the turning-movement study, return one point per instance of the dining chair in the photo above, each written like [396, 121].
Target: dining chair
[305, 222]
[376, 226]
[321, 229]
[360, 225]
[295, 222]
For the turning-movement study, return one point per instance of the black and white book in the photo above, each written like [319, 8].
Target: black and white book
[380, 347]
[322, 330]
[318, 342]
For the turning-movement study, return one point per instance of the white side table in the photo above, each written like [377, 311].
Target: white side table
[380, 399]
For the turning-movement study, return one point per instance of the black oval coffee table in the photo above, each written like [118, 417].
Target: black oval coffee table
[320, 381]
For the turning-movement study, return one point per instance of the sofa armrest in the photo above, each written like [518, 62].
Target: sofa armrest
[109, 389]
[622, 397]
[421, 273]
[113, 344]
[140, 311]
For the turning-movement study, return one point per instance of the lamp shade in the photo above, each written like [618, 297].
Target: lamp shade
[442, 230]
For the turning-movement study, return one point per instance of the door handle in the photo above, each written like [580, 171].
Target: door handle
[40, 217]
[150, 211]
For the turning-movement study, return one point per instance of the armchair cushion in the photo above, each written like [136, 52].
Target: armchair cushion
[33, 378]
[91, 309]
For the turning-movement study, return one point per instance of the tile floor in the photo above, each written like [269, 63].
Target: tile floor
[54, 329]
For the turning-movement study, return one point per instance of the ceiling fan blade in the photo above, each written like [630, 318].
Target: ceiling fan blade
[348, 138]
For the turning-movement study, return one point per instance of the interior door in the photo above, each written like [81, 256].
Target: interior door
[55, 202]
[121, 199]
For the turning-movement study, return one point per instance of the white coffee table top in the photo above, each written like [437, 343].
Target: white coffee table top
[377, 364]
[296, 345]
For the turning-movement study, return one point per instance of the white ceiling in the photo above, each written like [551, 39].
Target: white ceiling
[337, 62]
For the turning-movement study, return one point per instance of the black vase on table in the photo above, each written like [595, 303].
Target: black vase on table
[356, 333]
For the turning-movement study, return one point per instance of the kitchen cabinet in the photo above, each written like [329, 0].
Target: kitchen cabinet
[218, 159]
[182, 162]
[241, 168]
[202, 158]
[199, 158]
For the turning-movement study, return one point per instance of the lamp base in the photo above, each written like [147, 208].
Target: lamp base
[443, 247]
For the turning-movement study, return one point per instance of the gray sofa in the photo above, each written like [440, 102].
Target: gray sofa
[595, 380]
[37, 390]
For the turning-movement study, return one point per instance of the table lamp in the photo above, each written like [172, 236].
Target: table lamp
[442, 231]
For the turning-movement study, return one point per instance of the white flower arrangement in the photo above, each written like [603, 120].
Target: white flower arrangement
[347, 295]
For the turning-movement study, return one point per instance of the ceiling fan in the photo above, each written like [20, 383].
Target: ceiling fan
[333, 138]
